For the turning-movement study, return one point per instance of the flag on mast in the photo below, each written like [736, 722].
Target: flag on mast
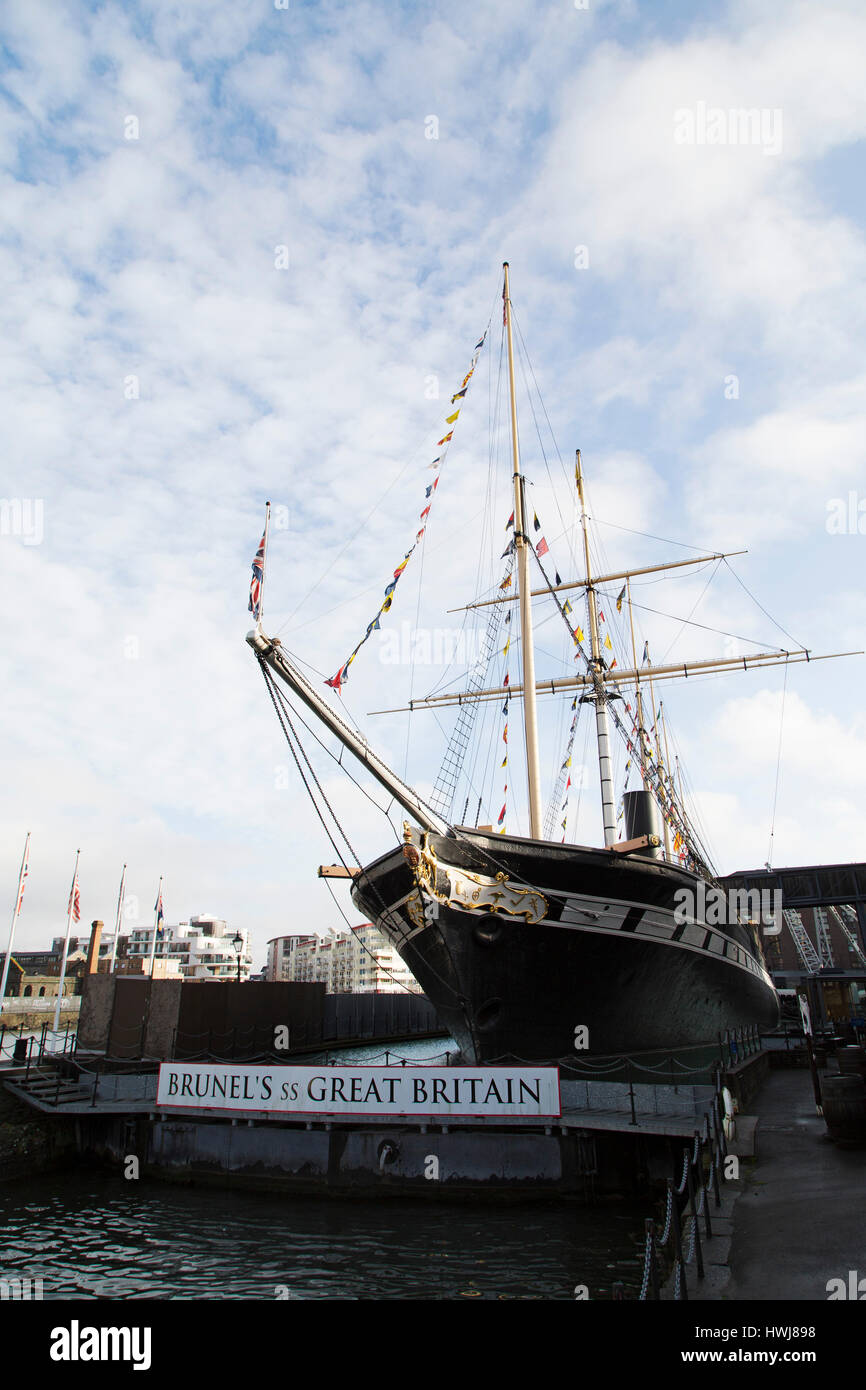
[74, 907]
[258, 580]
[22, 878]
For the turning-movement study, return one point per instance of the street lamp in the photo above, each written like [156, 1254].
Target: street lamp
[238, 943]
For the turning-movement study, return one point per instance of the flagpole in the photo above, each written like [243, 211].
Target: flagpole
[264, 562]
[66, 943]
[155, 921]
[18, 898]
[117, 922]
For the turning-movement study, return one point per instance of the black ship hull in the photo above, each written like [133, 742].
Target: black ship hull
[523, 944]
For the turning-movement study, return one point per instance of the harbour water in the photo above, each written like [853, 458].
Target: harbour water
[94, 1235]
[90, 1234]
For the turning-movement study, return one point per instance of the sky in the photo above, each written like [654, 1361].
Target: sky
[247, 250]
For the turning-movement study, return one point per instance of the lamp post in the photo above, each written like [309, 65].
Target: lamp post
[238, 943]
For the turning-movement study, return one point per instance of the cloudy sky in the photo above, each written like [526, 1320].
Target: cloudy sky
[243, 247]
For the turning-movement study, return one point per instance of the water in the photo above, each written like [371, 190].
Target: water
[93, 1235]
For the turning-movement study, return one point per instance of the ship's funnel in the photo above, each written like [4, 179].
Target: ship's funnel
[641, 818]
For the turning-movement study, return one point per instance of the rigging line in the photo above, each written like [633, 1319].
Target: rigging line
[763, 609]
[371, 588]
[350, 719]
[374, 891]
[412, 655]
[649, 535]
[538, 391]
[669, 805]
[343, 767]
[778, 769]
[409, 463]
[566, 531]
[686, 621]
[363, 944]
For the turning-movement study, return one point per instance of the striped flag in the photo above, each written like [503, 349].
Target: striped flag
[74, 905]
[25, 869]
[255, 604]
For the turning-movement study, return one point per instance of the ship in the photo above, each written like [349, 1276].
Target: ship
[530, 948]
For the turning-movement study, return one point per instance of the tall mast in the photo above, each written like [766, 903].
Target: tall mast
[598, 695]
[637, 692]
[660, 764]
[117, 921]
[70, 912]
[527, 651]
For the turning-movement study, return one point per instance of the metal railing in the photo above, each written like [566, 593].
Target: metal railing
[687, 1201]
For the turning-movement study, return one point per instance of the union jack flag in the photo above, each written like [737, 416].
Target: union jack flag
[256, 585]
[75, 899]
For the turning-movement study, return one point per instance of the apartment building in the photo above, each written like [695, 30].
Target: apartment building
[359, 961]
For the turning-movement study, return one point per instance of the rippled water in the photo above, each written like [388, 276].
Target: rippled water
[95, 1235]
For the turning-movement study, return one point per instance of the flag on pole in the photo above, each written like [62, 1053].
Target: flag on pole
[74, 905]
[255, 604]
[619, 599]
[25, 869]
[160, 916]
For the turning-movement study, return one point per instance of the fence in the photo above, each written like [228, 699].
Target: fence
[699, 1184]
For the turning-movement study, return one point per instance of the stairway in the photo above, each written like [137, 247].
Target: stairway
[42, 1089]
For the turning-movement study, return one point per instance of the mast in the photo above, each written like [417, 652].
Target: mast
[660, 763]
[637, 691]
[117, 922]
[71, 910]
[527, 651]
[157, 915]
[22, 875]
[598, 696]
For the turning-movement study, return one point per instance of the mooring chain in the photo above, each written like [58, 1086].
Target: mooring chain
[647, 1261]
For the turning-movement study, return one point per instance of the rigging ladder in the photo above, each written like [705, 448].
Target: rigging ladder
[445, 787]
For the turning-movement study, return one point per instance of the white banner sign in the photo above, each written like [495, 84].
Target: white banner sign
[428, 1092]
